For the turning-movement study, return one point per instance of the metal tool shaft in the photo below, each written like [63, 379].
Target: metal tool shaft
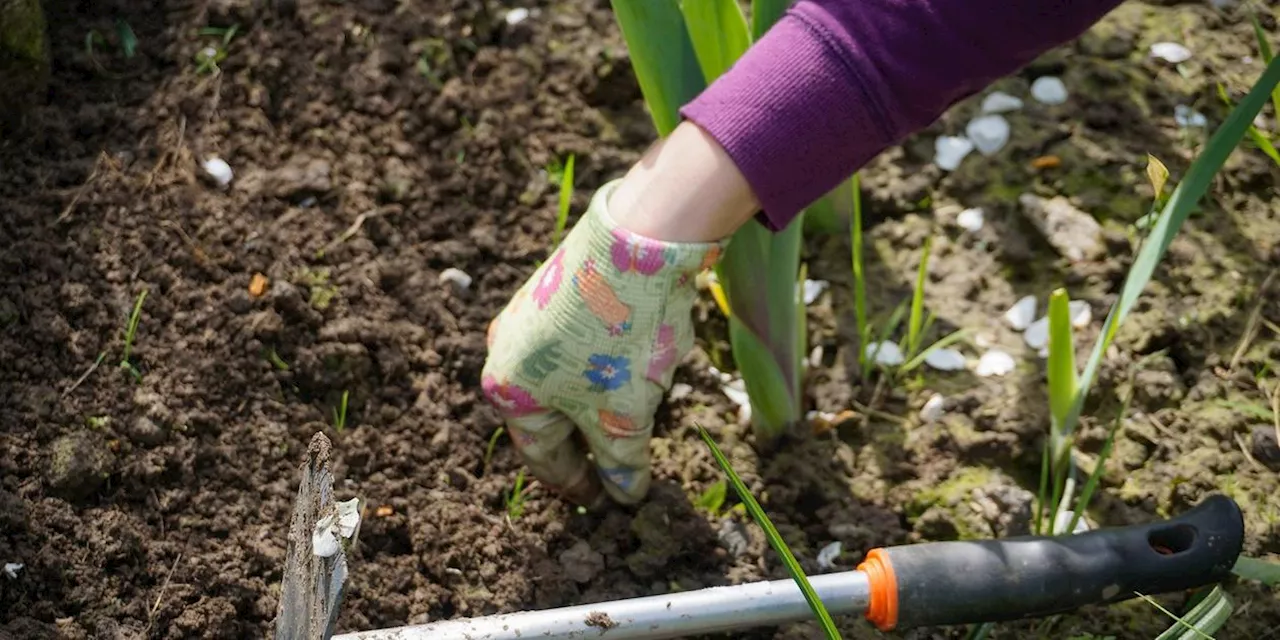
[710, 610]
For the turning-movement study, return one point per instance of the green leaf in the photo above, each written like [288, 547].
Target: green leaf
[764, 14]
[1267, 573]
[1091, 485]
[1176, 210]
[128, 41]
[566, 196]
[859, 278]
[1062, 364]
[1203, 620]
[712, 499]
[1264, 50]
[718, 31]
[772, 408]
[775, 539]
[662, 57]
[916, 319]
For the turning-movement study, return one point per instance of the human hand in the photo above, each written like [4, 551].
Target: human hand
[582, 355]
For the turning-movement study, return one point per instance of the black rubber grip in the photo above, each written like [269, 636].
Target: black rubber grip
[943, 583]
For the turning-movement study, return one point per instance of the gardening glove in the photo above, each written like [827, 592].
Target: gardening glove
[582, 355]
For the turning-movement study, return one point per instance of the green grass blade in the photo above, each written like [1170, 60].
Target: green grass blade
[764, 13]
[718, 30]
[662, 57]
[1259, 139]
[1042, 495]
[1264, 50]
[1201, 622]
[566, 196]
[1176, 210]
[859, 277]
[1267, 573]
[775, 539]
[1091, 484]
[1062, 364]
[916, 320]
[772, 408]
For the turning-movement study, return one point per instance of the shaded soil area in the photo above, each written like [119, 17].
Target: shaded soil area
[376, 144]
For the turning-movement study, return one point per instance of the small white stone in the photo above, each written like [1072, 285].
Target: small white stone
[1037, 335]
[1000, 102]
[950, 150]
[457, 277]
[1063, 520]
[994, 363]
[517, 15]
[219, 170]
[885, 353]
[813, 289]
[945, 360]
[11, 569]
[1081, 313]
[827, 556]
[1049, 90]
[1170, 52]
[680, 391]
[1187, 117]
[971, 220]
[933, 408]
[1043, 353]
[1022, 313]
[989, 133]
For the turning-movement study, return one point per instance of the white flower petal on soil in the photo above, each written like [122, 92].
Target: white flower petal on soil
[827, 556]
[1187, 117]
[457, 277]
[680, 391]
[994, 363]
[813, 289]
[950, 150]
[1000, 102]
[1043, 353]
[885, 353]
[971, 220]
[933, 408]
[945, 360]
[517, 15]
[219, 170]
[989, 133]
[11, 569]
[1170, 52]
[1049, 90]
[1037, 335]
[1022, 313]
[1081, 313]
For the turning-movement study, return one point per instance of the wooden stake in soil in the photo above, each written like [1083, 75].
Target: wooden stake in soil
[313, 582]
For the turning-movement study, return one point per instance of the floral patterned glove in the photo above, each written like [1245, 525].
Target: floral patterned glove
[583, 354]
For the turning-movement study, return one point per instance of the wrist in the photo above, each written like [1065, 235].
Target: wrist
[686, 188]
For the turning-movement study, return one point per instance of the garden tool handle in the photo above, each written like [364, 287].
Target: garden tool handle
[962, 582]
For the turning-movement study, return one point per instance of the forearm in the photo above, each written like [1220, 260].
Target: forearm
[835, 82]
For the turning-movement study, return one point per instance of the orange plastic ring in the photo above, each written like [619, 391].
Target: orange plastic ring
[882, 608]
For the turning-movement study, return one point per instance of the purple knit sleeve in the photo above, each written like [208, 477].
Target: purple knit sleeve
[835, 82]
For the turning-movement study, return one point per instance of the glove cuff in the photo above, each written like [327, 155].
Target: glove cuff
[634, 254]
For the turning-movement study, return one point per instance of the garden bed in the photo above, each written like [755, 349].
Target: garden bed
[376, 144]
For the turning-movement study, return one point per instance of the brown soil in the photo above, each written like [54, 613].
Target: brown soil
[376, 144]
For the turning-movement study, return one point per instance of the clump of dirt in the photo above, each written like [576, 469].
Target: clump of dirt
[375, 145]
